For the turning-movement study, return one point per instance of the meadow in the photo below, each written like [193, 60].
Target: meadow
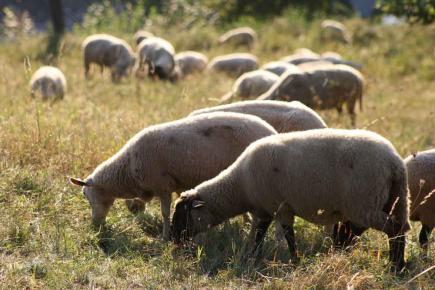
[46, 237]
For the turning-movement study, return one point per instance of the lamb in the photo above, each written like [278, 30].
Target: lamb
[158, 55]
[108, 51]
[421, 177]
[283, 116]
[141, 35]
[190, 62]
[279, 67]
[250, 85]
[170, 157]
[290, 175]
[322, 88]
[234, 64]
[239, 36]
[50, 81]
[334, 30]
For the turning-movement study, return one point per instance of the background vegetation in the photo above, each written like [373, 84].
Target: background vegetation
[46, 240]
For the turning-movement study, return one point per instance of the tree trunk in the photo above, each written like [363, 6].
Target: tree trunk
[57, 16]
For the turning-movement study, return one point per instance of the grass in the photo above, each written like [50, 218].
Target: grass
[46, 240]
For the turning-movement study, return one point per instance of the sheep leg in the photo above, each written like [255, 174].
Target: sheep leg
[259, 230]
[87, 67]
[396, 238]
[290, 237]
[424, 237]
[344, 234]
[165, 204]
[350, 104]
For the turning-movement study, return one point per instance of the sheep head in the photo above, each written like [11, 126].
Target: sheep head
[100, 201]
[186, 221]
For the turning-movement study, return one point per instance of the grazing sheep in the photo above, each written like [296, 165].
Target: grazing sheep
[334, 30]
[108, 51]
[251, 85]
[190, 62]
[141, 35]
[157, 55]
[323, 87]
[170, 157]
[297, 59]
[332, 55]
[234, 64]
[239, 36]
[50, 81]
[421, 176]
[283, 116]
[322, 176]
[279, 67]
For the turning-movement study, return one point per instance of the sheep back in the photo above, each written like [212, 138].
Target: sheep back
[50, 81]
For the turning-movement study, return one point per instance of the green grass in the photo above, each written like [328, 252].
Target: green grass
[46, 240]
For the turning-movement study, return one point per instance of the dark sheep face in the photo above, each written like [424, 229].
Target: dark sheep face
[184, 225]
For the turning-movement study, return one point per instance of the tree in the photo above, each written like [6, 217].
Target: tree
[57, 16]
[414, 10]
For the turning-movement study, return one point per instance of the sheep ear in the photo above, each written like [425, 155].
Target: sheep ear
[78, 181]
[197, 203]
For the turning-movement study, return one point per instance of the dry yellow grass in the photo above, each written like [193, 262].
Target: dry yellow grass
[46, 240]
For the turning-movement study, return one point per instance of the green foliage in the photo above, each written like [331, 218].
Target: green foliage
[422, 11]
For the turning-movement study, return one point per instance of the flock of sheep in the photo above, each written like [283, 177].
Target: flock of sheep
[273, 157]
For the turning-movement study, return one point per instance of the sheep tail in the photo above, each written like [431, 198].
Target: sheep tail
[226, 98]
[400, 194]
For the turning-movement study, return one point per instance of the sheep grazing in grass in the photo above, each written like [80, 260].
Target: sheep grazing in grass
[323, 87]
[239, 36]
[141, 35]
[49, 81]
[334, 30]
[155, 58]
[108, 51]
[234, 64]
[283, 116]
[421, 178]
[323, 176]
[170, 157]
[251, 85]
[279, 67]
[190, 62]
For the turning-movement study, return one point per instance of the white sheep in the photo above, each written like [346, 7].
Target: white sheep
[323, 176]
[50, 81]
[283, 116]
[190, 62]
[279, 67]
[239, 36]
[334, 30]
[251, 85]
[141, 35]
[322, 87]
[108, 51]
[157, 56]
[234, 63]
[421, 177]
[170, 157]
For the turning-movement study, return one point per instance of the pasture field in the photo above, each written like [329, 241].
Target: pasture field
[46, 238]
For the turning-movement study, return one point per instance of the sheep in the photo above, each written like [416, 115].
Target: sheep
[301, 55]
[170, 157]
[332, 55]
[322, 176]
[108, 51]
[251, 84]
[239, 36]
[334, 30]
[283, 116]
[323, 87]
[141, 35]
[190, 62]
[50, 81]
[279, 67]
[421, 177]
[234, 64]
[158, 55]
